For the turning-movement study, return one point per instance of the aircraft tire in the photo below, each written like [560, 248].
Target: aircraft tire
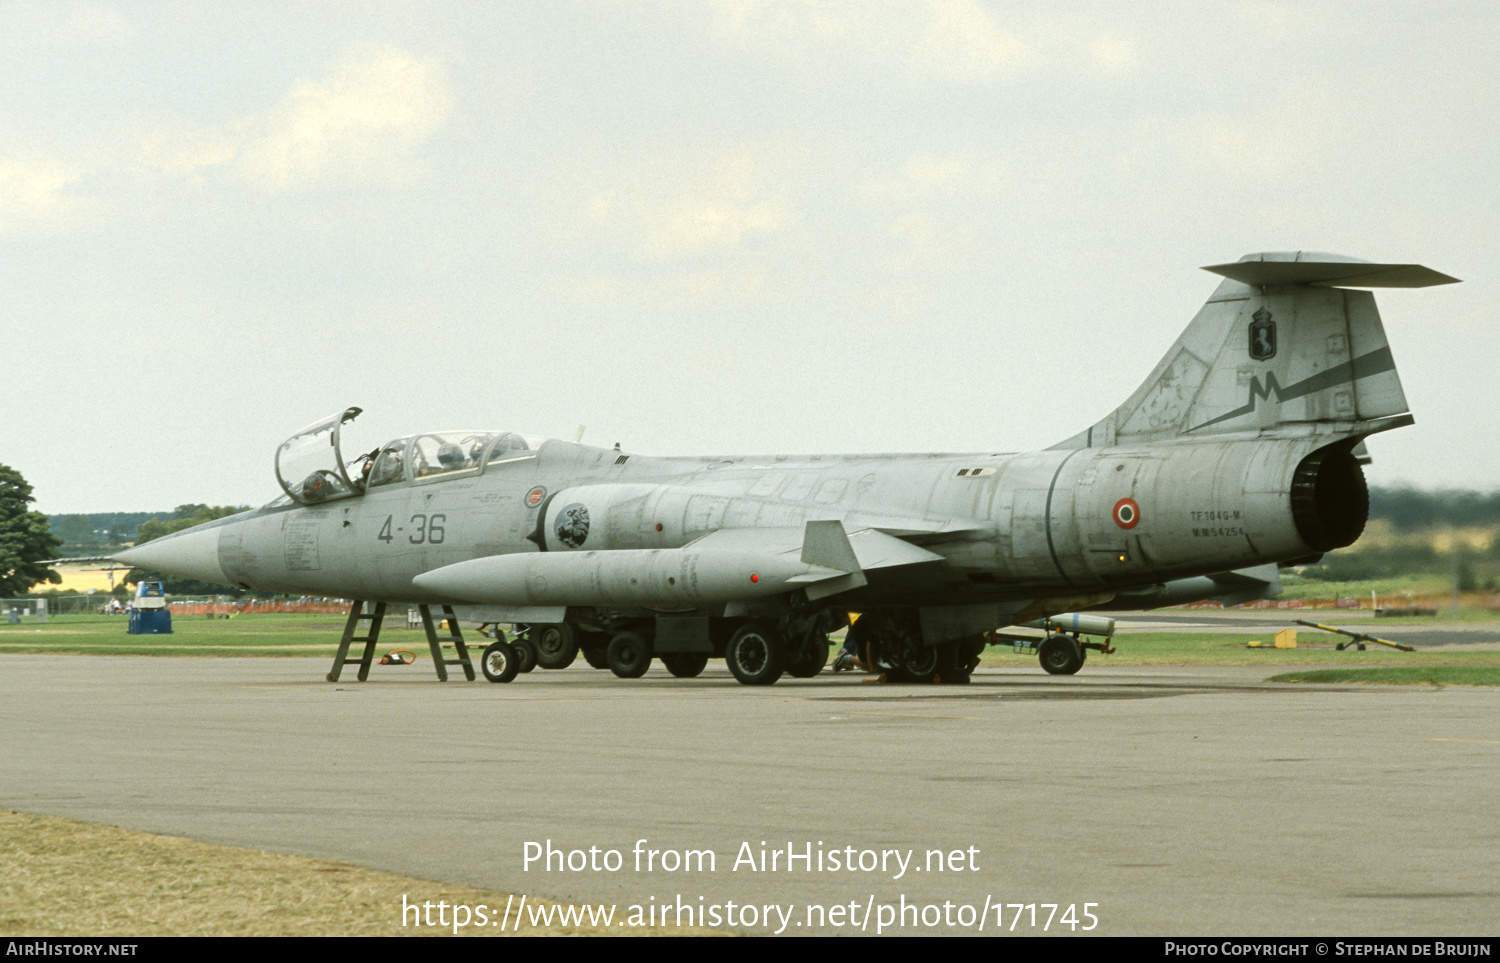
[685, 665]
[525, 655]
[596, 654]
[756, 654]
[921, 663]
[629, 655]
[1060, 655]
[810, 661]
[499, 662]
[556, 644]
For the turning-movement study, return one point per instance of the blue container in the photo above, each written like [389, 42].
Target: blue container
[150, 622]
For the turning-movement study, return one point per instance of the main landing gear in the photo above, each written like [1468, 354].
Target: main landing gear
[499, 661]
[891, 644]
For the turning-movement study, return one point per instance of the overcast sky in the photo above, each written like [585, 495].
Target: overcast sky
[700, 227]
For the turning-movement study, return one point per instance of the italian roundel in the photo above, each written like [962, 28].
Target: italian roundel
[1127, 513]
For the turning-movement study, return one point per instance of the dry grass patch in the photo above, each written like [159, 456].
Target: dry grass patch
[66, 878]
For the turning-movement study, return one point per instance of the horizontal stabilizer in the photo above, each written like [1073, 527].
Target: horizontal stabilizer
[1281, 344]
[1229, 588]
[1333, 274]
[1256, 577]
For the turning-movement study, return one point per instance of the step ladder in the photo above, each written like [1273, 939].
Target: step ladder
[357, 614]
[435, 643]
[362, 611]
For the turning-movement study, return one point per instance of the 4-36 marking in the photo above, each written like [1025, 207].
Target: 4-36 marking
[430, 529]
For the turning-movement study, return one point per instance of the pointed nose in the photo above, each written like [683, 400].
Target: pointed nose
[190, 554]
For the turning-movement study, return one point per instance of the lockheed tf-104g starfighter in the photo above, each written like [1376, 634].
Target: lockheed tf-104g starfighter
[1240, 452]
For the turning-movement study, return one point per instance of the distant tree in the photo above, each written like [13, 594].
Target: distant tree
[99, 532]
[75, 532]
[26, 538]
[1410, 509]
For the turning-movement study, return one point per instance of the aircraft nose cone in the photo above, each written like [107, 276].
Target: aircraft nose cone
[190, 554]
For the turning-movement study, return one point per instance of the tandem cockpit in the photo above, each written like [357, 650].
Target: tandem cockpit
[313, 467]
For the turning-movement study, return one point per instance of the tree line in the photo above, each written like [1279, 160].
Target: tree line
[1412, 509]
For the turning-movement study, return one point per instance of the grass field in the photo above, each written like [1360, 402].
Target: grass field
[1313, 648]
[317, 636]
[247, 635]
[1400, 675]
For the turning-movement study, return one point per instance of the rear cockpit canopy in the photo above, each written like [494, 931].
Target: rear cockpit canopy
[443, 454]
[311, 466]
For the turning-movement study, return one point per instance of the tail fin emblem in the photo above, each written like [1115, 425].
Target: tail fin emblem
[1262, 336]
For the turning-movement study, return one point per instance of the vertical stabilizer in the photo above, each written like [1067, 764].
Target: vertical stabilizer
[1280, 342]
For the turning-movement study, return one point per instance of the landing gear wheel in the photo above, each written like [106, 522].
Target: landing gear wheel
[685, 665]
[594, 646]
[629, 655]
[525, 655]
[556, 644]
[756, 654]
[499, 662]
[810, 661]
[919, 662]
[1060, 654]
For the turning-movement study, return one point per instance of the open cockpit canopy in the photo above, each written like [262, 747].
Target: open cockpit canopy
[312, 466]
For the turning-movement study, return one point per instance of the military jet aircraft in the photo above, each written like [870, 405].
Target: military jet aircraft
[1240, 452]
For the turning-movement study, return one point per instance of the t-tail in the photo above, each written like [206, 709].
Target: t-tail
[1282, 353]
[1280, 345]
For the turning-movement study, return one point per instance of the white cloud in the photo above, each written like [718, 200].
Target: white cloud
[33, 195]
[1115, 55]
[178, 149]
[704, 206]
[922, 175]
[700, 226]
[360, 122]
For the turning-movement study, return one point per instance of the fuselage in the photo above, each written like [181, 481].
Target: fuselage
[1063, 523]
